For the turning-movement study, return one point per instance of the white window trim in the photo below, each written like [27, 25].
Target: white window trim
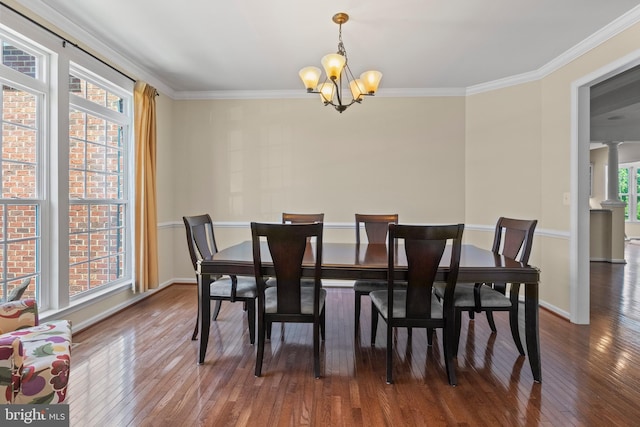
[633, 206]
[54, 128]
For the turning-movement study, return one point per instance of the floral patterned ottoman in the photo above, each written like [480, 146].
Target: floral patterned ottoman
[34, 357]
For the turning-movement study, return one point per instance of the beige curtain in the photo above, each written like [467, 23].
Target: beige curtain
[146, 223]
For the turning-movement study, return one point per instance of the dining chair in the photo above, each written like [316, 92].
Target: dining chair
[513, 238]
[295, 218]
[413, 304]
[376, 227]
[202, 244]
[289, 301]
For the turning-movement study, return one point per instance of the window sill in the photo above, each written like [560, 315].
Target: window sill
[84, 302]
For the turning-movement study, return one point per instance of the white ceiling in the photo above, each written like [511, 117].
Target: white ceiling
[259, 45]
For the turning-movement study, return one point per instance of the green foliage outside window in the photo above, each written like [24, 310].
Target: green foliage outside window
[637, 195]
[623, 188]
[630, 193]
[623, 180]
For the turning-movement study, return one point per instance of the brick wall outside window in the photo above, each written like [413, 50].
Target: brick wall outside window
[19, 60]
[96, 184]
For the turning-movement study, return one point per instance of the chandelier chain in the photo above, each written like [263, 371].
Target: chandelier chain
[341, 50]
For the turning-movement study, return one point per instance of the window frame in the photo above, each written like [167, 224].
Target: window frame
[123, 120]
[37, 87]
[55, 65]
[634, 190]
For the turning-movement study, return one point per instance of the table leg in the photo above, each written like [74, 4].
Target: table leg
[205, 314]
[531, 329]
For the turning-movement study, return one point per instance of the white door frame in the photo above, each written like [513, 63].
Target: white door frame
[580, 139]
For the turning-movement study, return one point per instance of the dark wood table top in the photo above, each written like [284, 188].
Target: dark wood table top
[369, 261]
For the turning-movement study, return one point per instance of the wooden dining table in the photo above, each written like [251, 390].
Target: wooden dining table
[350, 261]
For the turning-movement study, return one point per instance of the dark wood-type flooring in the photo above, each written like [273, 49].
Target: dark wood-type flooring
[138, 368]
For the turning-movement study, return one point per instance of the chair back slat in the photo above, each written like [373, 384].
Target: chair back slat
[289, 248]
[424, 247]
[424, 258]
[200, 238]
[302, 218]
[514, 238]
[376, 226]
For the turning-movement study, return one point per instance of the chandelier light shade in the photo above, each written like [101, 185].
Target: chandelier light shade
[333, 64]
[326, 92]
[310, 77]
[370, 81]
[339, 80]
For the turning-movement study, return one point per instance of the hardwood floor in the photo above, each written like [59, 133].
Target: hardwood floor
[138, 368]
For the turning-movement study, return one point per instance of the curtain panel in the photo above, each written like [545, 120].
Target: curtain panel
[146, 222]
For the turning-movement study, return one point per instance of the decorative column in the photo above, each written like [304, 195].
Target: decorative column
[613, 188]
[615, 205]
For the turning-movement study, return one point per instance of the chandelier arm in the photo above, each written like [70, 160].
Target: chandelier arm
[338, 91]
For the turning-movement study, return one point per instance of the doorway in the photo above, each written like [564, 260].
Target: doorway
[580, 183]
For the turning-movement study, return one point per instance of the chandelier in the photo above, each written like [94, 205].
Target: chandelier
[339, 76]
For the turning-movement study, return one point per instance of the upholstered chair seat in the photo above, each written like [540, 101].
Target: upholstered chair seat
[381, 301]
[306, 299]
[245, 287]
[464, 295]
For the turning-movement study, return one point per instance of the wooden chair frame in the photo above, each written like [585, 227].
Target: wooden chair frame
[202, 244]
[424, 246]
[287, 245]
[512, 238]
[376, 228]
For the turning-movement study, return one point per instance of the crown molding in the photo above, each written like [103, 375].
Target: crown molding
[300, 94]
[596, 39]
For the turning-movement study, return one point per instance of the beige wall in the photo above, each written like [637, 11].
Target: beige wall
[502, 158]
[244, 160]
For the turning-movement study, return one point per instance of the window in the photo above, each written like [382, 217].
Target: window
[63, 183]
[21, 183]
[629, 188]
[98, 204]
